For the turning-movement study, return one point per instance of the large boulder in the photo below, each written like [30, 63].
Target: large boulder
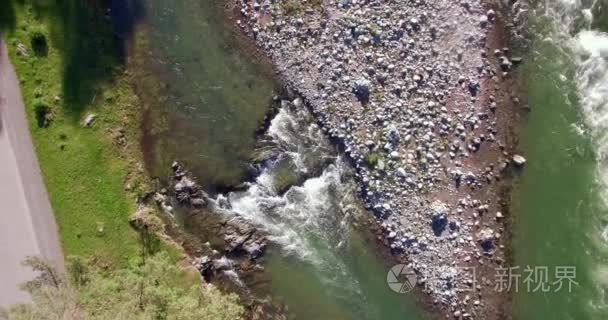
[519, 160]
[240, 235]
[439, 216]
[362, 89]
[486, 238]
[187, 191]
[392, 135]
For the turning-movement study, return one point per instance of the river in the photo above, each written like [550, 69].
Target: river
[561, 199]
[323, 265]
[211, 100]
[207, 99]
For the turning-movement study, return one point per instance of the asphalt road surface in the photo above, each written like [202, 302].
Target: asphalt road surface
[27, 224]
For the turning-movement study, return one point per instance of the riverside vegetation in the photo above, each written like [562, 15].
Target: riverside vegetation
[70, 62]
[140, 291]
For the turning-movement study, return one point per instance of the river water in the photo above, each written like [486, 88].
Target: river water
[561, 201]
[207, 98]
[324, 267]
[212, 98]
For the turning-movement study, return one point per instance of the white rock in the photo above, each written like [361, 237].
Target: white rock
[88, 121]
[401, 172]
[519, 160]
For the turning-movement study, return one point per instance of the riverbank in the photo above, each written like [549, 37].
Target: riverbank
[89, 153]
[393, 87]
[85, 120]
[86, 168]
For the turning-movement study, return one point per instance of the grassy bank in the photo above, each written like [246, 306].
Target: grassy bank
[92, 173]
[72, 67]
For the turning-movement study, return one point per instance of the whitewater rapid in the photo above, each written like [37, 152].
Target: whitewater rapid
[311, 219]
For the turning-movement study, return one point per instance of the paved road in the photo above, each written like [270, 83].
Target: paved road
[27, 224]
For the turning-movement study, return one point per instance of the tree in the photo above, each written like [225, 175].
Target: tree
[139, 292]
[52, 297]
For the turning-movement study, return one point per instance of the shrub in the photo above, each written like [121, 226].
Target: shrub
[43, 113]
[372, 158]
[292, 7]
[141, 291]
[38, 43]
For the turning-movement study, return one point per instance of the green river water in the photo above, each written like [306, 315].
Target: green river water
[560, 212]
[211, 97]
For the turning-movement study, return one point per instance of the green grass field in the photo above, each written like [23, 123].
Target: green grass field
[87, 169]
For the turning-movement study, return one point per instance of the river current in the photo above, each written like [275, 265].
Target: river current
[561, 202]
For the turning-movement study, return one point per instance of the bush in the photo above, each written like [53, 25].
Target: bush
[372, 158]
[43, 113]
[38, 43]
[141, 291]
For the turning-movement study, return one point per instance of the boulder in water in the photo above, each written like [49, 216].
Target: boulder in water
[210, 266]
[519, 160]
[240, 235]
[186, 190]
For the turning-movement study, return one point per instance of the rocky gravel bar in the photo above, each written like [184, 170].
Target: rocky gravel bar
[416, 92]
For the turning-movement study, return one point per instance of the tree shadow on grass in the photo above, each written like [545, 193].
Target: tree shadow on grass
[8, 18]
[92, 37]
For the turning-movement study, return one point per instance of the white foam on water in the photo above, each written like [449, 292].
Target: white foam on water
[301, 212]
[591, 48]
[296, 137]
[309, 221]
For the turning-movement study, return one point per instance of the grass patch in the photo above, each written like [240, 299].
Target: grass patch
[85, 169]
[372, 158]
